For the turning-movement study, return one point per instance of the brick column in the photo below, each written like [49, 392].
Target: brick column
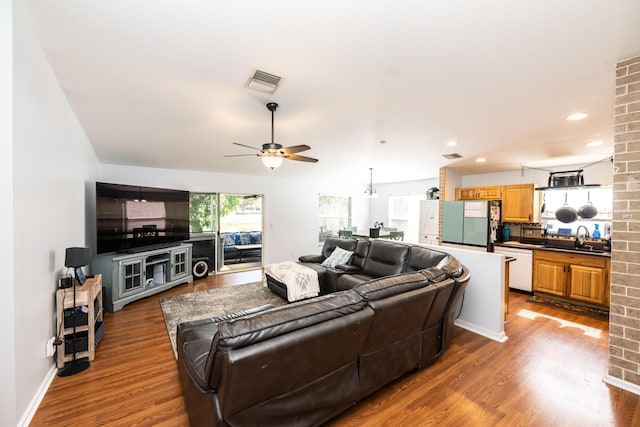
[624, 323]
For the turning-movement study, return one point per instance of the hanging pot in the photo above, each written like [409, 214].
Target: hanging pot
[588, 211]
[566, 213]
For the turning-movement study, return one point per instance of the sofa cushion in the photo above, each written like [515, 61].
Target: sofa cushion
[386, 258]
[360, 253]
[338, 256]
[335, 242]
[229, 239]
[421, 257]
[244, 238]
[255, 237]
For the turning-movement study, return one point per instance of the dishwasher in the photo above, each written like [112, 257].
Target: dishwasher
[521, 269]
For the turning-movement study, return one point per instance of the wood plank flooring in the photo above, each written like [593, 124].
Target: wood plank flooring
[548, 373]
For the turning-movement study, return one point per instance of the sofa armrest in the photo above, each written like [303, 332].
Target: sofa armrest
[311, 258]
[348, 268]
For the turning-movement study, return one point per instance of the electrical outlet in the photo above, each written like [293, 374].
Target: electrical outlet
[50, 348]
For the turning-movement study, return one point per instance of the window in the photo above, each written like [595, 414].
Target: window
[203, 213]
[334, 213]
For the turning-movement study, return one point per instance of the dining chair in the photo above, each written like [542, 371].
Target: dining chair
[345, 234]
[396, 235]
[389, 228]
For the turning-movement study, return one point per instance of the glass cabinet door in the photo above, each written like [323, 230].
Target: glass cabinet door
[132, 279]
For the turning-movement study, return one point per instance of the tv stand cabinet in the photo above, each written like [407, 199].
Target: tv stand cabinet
[130, 277]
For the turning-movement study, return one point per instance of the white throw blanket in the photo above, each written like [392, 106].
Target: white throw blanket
[301, 281]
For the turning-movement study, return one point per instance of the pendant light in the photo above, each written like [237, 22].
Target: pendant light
[370, 191]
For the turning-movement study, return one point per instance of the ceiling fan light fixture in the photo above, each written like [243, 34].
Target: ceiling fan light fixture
[271, 161]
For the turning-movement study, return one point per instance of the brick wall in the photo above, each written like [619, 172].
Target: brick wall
[624, 324]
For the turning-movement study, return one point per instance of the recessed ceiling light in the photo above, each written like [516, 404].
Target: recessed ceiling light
[481, 160]
[577, 116]
[594, 143]
[452, 143]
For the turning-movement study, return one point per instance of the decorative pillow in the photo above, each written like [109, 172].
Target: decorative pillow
[245, 239]
[229, 240]
[337, 257]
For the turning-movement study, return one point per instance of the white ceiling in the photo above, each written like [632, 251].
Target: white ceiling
[162, 83]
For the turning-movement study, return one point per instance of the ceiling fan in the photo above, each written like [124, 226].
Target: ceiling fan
[272, 154]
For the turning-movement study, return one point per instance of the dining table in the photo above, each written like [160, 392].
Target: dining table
[365, 234]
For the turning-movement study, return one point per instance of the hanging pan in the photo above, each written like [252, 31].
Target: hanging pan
[588, 210]
[566, 213]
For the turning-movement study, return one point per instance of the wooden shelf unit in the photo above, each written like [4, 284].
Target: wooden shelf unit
[90, 295]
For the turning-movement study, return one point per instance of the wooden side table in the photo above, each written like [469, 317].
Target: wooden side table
[89, 295]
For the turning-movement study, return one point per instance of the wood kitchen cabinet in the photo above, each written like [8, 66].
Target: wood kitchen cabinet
[520, 203]
[578, 277]
[479, 193]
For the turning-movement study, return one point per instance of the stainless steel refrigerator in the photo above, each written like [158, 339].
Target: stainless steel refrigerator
[473, 223]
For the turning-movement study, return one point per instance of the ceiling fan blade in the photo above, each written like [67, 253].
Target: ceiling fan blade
[247, 146]
[240, 155]
[300, 158]
[295, 149]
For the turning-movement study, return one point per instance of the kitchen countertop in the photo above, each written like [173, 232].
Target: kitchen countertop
[518, 245]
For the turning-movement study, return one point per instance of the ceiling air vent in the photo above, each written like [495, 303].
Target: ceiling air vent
[452, 156]
[264, 82]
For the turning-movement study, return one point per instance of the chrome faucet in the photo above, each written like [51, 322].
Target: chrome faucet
[580, 240]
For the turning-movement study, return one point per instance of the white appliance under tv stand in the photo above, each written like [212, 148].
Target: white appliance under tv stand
[132, 276]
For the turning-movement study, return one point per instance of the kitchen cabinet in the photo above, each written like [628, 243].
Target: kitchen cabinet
[520, 203]
[580, 278]
[479, 193]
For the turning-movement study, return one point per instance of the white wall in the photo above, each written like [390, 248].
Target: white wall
[483, 309]
[52, 160]
[380, 206]
[290, 207]
[600, 173]
[8, 414]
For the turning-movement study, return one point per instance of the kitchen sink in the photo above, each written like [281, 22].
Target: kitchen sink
[577, 249]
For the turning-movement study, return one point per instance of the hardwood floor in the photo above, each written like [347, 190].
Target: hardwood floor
[548, 373]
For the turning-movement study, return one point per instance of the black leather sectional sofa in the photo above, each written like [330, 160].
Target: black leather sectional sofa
[306, 362]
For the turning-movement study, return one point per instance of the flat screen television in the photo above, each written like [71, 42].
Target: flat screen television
[132, 218]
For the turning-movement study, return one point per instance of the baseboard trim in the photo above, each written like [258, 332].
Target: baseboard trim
[501, 337]
[28, 414]
[625, 385]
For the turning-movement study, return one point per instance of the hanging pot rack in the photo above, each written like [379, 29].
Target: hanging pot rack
[569, 179]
